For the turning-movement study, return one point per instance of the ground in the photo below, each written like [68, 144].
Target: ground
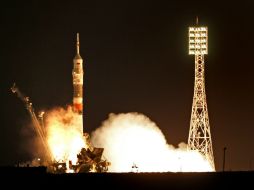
[208, 180]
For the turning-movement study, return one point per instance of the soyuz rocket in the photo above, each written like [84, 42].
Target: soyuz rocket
[77, 74]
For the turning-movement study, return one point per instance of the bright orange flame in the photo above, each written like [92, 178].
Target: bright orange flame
[133, 139]
[64, 137]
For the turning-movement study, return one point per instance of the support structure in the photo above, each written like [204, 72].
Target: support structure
[40, 131]
[199, 134]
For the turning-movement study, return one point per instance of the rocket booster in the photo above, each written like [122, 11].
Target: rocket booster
[77, 74]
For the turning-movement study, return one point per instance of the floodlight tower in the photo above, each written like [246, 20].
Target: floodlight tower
[199, 134]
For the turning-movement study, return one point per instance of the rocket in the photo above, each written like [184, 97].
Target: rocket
[77, 74]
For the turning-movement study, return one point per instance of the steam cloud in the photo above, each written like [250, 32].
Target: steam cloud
[132, 139]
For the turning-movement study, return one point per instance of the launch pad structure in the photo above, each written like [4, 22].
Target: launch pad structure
[88, 159]
[38, 127]
[199, 132]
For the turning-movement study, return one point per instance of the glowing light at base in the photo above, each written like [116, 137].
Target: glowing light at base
[132, 139]
[64, 137]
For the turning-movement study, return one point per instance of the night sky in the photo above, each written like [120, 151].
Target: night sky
[135, 60]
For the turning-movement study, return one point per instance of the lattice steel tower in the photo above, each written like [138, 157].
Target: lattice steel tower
[199, 134]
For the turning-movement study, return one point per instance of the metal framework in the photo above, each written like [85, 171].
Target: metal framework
[36, 124]
[199, 134]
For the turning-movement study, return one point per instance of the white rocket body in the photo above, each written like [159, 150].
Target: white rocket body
[77, 74]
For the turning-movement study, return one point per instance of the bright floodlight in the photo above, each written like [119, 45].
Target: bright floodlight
[198, 40]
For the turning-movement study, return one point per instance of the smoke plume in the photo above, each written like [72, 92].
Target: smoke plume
[132, 142]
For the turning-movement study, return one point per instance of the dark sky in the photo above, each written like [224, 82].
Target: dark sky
[136, 60]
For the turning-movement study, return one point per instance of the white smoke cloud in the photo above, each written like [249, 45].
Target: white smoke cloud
[132, 139]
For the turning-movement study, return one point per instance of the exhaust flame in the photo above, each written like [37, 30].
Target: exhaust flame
[64, 137]
[133, 140]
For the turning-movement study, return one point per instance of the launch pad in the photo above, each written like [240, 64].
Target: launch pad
[89, 158]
